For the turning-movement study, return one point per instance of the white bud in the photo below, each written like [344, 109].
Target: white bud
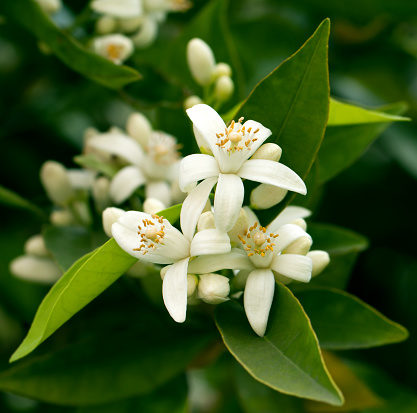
[139, 128]
[222, 69]
[131, 24]
[201, 61]
[118, 8]
[106, 25]
[268, 151]
[146, 34]
[266, 196]
[239, 228]
[301, 223]
[56, 182]
[82, 179]
[192, 281]
[192, 101]
[320, 261]
[114, 47]
[50, 6]
[62, 217]
[282, 279]
[37, 269]
[101, 193]
[213, 288]
[159, 190]
[224, 88]
[152, 206]
[110, 216]
[35, 245]
[206, 221]
[300, 246]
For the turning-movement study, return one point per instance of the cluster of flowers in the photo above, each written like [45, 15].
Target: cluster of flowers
[227, 236]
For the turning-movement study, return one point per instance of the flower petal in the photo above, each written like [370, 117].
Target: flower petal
[125, 182]
[262, 135]
[160, 190]
[251, 216]
[273, 173]
[174, 290]
[287, 234]
[119, 8]
[297, 267]
[194, 168]
[193, 206]
[210, 241]
[259, 293]
[228, 201]
[288, 215]
[233, 260]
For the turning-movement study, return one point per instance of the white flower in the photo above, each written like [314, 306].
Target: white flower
[232, 147]
[153, 239]
[118, 8]
[263, 258]
[114, 47]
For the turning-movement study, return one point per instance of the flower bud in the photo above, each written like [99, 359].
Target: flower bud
[56, 182]
[130, 25]
[105, 25]
[192, 281]
[114, 47]
[50, 6]
[101, 193]
[266, 196]
[222, 69]
[62, 217]
[320, 261]
[139, 128]
[300, 246]
[152, 206]
[268, 151]
[239, 228]
[213, 288]
[146, 34]
[35, 245]
[224, 88]
[110, 216]
[206, 221]
[301, 223]
[201, 61]
[37, 269]
[192, 101]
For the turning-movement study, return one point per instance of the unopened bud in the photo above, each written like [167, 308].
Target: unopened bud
[268, 151]
[139, 128]
[146, 34]
[35, 245]
[105, 25]
[192, 281]
[266, 196]
[192, 101]
[56, 182]
[50, 6]
[201, 61]
[152, 206]
[114, 47]
[222, 69]
[110, 216]
[239, 228]
[300, 246]
[213, 288]
[131, 24]
[62, 218]
[37, 269]
[101, 193]
[206, 221]
[224, 88]
[301, 223]
[320, 261]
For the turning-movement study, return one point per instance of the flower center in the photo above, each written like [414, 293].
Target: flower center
[114, 51]
[151, 234]
[180, 5]
[163, 149]
[236, 137]
[254, 238]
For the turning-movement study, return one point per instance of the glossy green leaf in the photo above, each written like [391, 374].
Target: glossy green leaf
[92, 162]
[11, 199]
[342, 321]
[28, 14]
[68, 244]
[288, 357]
[108, 367]
[344, 142]
[84, 281]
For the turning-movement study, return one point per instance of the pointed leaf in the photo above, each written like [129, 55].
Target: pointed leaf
[10, 198]
[288, 357]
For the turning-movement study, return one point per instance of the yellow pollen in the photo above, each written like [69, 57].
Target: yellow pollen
[114, 50]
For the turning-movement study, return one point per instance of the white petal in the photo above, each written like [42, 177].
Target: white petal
[160, 190]
[118, 8]
[251, 216]
[125, 231]
[233, 260]
[259, 293]
[288, 215]
[261, 136]
[297, 267]
[228, 201]
[194, 168]
[174, 290]
[81, 178]
[287, 234]
[210, 241]
[208, 122]
[193, 206]
[273, 173]
[118, 144]
[125, 182]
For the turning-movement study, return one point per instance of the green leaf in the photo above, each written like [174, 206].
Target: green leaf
[92, 162]
[348, 138]
[172, 214]
[83, 282]
[68, 244]
[10, 198]
[288, 357]
[108, 367]
[28, 14]
[346, 114]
